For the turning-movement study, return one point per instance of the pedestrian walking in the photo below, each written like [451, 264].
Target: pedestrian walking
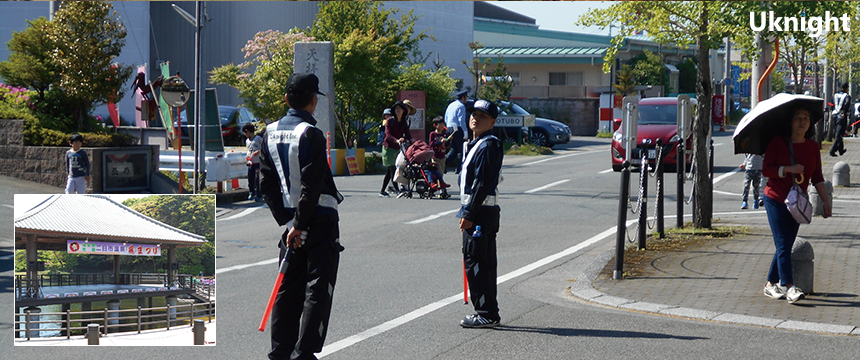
[752, 175]
[843, 113]
[455, 120]
[479, 208]
[783, 166]
[252, 160]
[77, 166]
[396, 134]
[301, 194]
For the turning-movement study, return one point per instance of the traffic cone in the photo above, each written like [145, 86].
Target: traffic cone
[235, 184]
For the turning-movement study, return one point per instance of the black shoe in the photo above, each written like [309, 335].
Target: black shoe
[832, 154]
[384, 194]
[842, 152]
[478, 321]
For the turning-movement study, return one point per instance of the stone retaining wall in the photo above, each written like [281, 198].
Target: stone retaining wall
[46, 164]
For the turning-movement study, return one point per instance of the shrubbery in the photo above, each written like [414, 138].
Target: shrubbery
[14, 104]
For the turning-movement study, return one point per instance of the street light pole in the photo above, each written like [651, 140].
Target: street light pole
[200, 106]
[199, 144]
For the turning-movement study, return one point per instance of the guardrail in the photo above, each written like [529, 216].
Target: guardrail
[219, 166]
[166, 315]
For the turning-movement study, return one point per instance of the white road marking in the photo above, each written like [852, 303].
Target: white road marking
[245, 212]
[9, 206]
[560, 157]
[606, 171]
[546, 186]
[431, 217]
[723, 176]
[243, 266]
[391, 324]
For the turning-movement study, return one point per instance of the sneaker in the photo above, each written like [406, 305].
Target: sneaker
[744, 205]
[478, 321]
[793, 294]
[760, 202]
[404, 194]
[251, 197]
[258, 198]
[774, 291]
[756, 204]
[384, 194]
[842, 151]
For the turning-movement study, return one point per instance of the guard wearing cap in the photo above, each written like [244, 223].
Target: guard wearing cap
[300, 191]
[455, 121]
[479, 179]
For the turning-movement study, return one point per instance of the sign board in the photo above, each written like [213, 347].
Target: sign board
[105, 248]
[125, 170]
[717, 109]
[352, 165]
[515, 120]
[212, 122]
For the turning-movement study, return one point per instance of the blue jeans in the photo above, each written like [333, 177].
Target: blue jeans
[784, 229]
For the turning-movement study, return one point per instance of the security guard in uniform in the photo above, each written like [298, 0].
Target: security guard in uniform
[479, 179]
[300, 191]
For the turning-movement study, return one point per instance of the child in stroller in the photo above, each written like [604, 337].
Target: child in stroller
[418, 173]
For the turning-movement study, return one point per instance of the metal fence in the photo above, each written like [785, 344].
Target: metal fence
[165, 316]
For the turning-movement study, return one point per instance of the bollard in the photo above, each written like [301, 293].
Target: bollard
[680, 169]
[643, 211]
[841, 174]
[621, 232]
[199, 330]
[92, 334]
[659, 192]
[815, 199]
[803, 265]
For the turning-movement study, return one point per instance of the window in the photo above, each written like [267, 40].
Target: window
[574, 78]
[557, 78]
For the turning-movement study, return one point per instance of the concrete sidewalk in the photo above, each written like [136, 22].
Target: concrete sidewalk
[176, 336]
[722, 279]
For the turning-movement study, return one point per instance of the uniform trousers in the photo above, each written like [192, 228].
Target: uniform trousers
[303, 305]
[481, 263]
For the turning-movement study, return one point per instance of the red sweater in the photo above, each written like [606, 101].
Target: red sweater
[395, 130]
[806, 154]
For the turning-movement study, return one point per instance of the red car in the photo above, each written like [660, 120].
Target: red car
[658, 119]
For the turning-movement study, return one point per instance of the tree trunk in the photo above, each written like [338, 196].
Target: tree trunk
[701, 128]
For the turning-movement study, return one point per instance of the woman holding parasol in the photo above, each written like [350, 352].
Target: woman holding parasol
[781, 170]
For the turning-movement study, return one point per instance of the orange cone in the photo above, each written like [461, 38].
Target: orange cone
[235, 184]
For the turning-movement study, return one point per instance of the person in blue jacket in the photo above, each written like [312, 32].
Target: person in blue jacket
[77, 165]
[479, 179]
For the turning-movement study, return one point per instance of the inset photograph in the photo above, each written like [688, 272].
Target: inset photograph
[115, 270]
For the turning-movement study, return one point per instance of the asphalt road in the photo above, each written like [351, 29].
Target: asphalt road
[399, 291]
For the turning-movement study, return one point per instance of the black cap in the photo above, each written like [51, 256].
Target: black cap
[460, 94]
[303, 83]
[485, 106]
[844, 86]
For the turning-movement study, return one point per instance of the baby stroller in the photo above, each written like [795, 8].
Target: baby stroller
[411, 163]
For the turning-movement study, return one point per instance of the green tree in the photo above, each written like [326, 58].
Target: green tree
[195, 214]
[371, 43]
[262, 79]
[436, 84]
[687, 76]
[30, 63]
[88, 37]
[624, 81]
[498, 85]
[648, 69]
[685, 23]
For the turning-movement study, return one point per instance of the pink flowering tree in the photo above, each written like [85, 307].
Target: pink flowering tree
[262, 79]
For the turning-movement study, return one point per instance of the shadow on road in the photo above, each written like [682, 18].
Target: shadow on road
[596, 333]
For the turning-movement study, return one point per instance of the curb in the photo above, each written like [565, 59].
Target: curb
[585, 291]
